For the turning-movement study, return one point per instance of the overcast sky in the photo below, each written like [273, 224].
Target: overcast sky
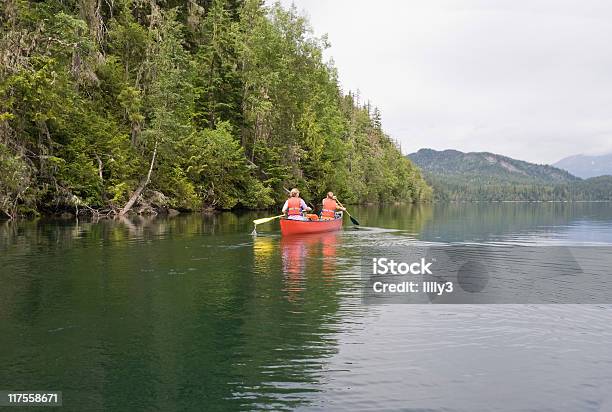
[530, 79]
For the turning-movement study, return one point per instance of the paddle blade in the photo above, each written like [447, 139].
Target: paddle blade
[265, 219]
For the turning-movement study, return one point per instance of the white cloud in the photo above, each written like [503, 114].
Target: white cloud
[528, 79]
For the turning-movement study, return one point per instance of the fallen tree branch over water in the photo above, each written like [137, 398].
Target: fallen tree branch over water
[141, 187]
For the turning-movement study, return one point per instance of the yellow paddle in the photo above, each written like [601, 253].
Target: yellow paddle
[265, 219]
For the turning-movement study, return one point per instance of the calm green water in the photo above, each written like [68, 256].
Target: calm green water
[194, 313]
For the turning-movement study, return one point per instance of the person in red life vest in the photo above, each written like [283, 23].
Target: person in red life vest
[329, 207]
[294, 206]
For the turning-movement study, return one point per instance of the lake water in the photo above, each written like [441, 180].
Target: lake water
[194, 313]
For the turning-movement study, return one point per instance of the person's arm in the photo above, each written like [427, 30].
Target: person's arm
[339, 205]
[304, 206]
[285, 206]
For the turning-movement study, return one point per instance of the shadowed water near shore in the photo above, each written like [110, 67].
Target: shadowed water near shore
[194, 313]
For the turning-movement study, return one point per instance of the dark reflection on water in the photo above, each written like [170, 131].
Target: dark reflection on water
[193, 313]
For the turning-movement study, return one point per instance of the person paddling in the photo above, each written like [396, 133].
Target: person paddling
[330, 205]
[294, 206]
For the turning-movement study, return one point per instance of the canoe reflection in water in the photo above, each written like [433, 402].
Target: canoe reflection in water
[315, 253]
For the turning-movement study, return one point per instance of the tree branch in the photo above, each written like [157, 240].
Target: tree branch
[141, 187]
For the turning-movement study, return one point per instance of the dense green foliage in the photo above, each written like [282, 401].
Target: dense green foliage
[456, 175]
[194, 104]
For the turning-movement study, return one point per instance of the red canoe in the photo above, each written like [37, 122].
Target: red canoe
[300, 227]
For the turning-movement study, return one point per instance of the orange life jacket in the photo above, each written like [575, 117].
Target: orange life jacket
[294, 206]
[329, 208]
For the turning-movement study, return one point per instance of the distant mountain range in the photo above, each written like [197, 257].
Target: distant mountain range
[587, 166]
[456, 175]
[496, 166]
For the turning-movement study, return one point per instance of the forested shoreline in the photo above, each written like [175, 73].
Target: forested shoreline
[486, 189]
[112, 106]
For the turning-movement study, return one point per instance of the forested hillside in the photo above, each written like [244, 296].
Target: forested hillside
[109, 105]
[492, 165]
[483, 176]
